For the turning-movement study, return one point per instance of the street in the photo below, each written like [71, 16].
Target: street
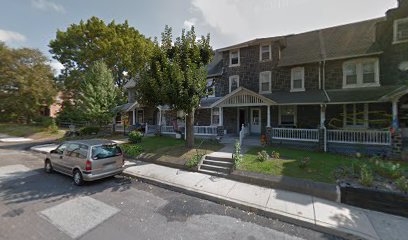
[36, 205]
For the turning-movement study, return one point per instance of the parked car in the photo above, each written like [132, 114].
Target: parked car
[86, 160]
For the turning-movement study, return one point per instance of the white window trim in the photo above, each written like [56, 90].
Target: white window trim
[359, 68]
[396, 22]
[269, 81]
[354, 125]
[239, 58]
[137, 115]
[212, 114]
[303, 79]
[295, 116]
[230, 79]
[213, 87]
[270, 53]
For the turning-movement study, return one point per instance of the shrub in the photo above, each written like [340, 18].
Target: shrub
[402, 184]
[262, 156]
[237, 154]
[275, 155]
[43, 121]
[132, 150]
[135, 136]
[193, 162]
[53, 128]
[388, 169]
[89, 130]
[366, 175]
[303, 163]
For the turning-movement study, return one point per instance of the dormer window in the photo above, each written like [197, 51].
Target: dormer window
[234, 58]
[297, 79]
[265, 52]
[401, 30]
[361, 73]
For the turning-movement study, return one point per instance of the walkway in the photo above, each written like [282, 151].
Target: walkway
[311, 212]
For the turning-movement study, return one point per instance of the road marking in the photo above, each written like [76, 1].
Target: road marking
[79, 215]
[15, 171]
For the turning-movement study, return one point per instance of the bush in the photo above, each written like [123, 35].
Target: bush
[388, 169]
[237, 154]
[193, 162]
[262, 156]
[275, 155]
[53, 128]
[43, 121]
[132, 150]
[89, 130]
[135, 136]
[303, 163]
[402, 184]
[366, 175]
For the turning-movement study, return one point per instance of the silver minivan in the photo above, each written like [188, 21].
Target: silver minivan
[86, 160]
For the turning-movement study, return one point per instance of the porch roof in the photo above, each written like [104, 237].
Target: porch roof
[371, 94]
[242, 97]
[306, 97]
[126, 107]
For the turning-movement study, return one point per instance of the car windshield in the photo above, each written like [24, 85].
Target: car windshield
[105, 151]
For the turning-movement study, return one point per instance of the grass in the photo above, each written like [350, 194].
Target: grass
[320, 167]
[161, 148]
[27, 130]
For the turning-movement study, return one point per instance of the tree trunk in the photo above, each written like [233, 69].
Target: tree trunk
[190, 130]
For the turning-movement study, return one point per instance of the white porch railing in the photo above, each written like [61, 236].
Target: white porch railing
[369, 137]
[205, 130]
[296, 134]
[167, 129]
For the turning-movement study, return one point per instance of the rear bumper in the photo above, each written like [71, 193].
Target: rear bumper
[92, 177]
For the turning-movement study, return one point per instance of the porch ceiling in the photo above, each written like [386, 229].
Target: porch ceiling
[243, 97]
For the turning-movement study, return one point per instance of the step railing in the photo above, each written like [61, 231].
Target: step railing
[295, 134]
[369, 137]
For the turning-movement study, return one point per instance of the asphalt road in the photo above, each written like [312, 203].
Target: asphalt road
[36, 205]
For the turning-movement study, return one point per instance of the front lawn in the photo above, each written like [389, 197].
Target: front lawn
[27, 130]
[320, 167]
[168, 149]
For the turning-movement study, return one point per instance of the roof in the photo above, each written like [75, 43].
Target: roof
[215, 68]
[92, 142]
[350, 40]
[370, 94]
[125, 107]
[251, 42]
[306, 97]
[207, 102]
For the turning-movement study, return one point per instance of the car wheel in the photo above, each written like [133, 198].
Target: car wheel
[48, 166]
[78, 180]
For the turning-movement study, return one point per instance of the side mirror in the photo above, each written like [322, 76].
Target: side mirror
[54, 151]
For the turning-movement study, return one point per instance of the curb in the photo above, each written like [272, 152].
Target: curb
[247, 207]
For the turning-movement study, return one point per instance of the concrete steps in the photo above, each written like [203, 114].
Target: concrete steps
[217, 163]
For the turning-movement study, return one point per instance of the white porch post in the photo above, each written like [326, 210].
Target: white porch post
[221, 112]
[160, 117]
[134, 117]
[322, 115]
[268, 125]
[395, 123]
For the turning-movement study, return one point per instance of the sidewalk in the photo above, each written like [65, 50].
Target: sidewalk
[304, 210]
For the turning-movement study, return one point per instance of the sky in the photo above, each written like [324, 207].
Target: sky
[33, 23]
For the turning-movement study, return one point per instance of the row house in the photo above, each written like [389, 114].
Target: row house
[339, 89]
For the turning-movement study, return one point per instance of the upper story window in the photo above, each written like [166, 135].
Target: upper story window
[265, 52]
[401, 30]
[234, 58]
[297, 83]
[233, 83]
[361, 73]
[265, 82]
[210, 88]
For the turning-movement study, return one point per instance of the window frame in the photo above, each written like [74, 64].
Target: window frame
[395, 30]
[230, 79]
[269, 80]
[137, 115]
[360, 73]
[292, 71]
[212, 87]
[239, 58]
[294, 115]
[354, 125]
[270, 52]
[212, 115]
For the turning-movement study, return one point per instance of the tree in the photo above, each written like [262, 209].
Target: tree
[176, 75]
[97, 94]
[26, 82]
[120, 46]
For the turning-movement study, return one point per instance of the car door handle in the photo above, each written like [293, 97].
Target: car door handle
[60, 157]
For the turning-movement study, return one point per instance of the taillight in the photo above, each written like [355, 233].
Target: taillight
[88, 165]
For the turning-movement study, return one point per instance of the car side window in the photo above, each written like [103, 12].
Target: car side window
[77, 151]
[60, 149]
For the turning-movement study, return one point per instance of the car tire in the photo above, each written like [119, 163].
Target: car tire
[48, 166]
[78, 179]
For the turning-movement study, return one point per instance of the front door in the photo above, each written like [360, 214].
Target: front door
[255, 120]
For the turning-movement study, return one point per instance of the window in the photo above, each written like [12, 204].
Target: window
[234, 58]
[233, 83]
[265, 82]
[356, 115]
[287, 115]
[77, 151]
[361, 73]
[265, 53]
[140, 116]
[215, 116]
[401, 30]
[298, 79]
[210, 88]
[60, 149]
[105, 151]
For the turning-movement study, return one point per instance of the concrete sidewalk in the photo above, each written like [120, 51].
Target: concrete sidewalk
[304, 210]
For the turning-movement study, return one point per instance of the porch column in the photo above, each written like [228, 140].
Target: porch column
[322, 115]
[134, 117]
[268, 124]
[221, 112]
[160, 117]
[395, 123]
